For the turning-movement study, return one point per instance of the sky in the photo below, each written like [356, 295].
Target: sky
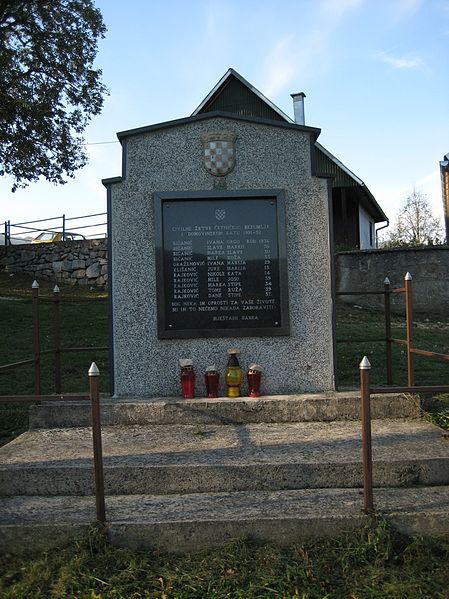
[375, 74]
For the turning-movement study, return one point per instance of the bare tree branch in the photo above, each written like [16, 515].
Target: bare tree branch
[415, 224]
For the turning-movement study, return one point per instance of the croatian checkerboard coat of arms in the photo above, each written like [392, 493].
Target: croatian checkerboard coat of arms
[219, 153]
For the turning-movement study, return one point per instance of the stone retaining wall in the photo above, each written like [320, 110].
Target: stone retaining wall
[73, 262]
[86, 263]
[367, 269]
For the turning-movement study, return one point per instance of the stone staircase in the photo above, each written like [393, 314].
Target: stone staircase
[181, 475]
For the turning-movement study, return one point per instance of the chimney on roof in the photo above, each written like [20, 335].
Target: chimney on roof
[298, 107]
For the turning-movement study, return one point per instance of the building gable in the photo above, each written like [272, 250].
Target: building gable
[236, 95]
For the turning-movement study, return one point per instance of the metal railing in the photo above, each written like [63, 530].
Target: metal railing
[408, 342]
[15, 232]
[94, 397]
[94, 389]
[57, 349]
[365, 394]
[365, 391]
[365, 367]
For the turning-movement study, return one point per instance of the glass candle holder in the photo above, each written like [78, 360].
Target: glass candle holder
[211, 380]
[233, 375]
[187, 379]
[254, 376]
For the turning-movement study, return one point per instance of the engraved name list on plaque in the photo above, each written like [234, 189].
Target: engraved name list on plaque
[221, 264]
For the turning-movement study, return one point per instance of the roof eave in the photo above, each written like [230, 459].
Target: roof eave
[121, 135]
[339, 164]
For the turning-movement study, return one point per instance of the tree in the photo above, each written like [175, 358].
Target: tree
[49, 90]
[415, 224]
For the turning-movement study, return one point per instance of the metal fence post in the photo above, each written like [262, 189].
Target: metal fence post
[36, 338]
[94, 374]
[409, 320]
[57, 339]
[387, 297]
[365, 367]
[7, 234]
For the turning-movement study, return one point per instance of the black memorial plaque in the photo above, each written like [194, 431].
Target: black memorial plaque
[221, 264]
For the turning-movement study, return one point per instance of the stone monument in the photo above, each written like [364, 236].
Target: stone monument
[218, 238]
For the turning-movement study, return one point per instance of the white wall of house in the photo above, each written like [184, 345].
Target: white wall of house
[367, 230]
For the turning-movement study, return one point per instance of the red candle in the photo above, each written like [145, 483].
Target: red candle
[187, 379]
[254, 376]
[211, 379]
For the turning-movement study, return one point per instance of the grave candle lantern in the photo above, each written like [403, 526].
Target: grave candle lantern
[187, 378]
[211, 379]
[254, 376]
[233, 374]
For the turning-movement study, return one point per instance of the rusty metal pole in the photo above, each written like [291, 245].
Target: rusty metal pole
[365, 367]
[36, 338]
[94, 375]
[387, 292]
[409, 321]
[57, 339]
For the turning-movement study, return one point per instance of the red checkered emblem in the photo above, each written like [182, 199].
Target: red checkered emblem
[219, 153]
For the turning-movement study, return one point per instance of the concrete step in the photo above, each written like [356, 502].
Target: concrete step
[188, 523]
[213, 458]
[277, 408]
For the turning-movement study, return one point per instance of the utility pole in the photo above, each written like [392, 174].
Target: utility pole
[444, 170]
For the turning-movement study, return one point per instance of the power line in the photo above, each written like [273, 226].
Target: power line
[100, 143]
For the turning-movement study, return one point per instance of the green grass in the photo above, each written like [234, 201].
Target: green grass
[373, 562]
[436, 410]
